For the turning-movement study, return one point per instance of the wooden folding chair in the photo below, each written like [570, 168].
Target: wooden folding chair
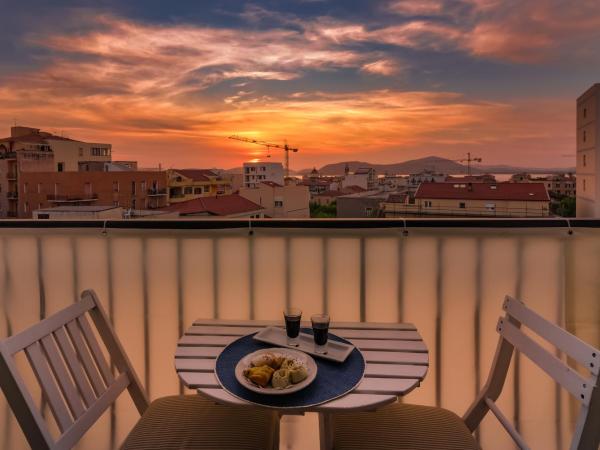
[78, 385]
[414, 427]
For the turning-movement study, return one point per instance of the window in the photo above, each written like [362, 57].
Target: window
[115, 186]
[584, 113]
[428, 203]
[133, 203]
[116, 203]
[490, 206]
[100, 151]
[206, 189]
[462, 205]
[584, 184]
[279, 204]
[143, 186]
[188, 190]
[198, 190]
[60, 167]
[584, 161]
[584, 136]
[80, 151]
[25, 186]
[369, 211]
[133, 187]
[43, 216]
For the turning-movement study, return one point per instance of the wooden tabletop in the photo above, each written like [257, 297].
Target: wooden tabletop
[396, 357]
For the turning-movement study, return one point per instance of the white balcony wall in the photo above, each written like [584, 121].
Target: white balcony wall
[449, 282]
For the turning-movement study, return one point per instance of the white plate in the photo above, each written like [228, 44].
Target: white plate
[244, 363]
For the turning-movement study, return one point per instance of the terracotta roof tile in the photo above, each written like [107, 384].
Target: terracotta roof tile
[223, 205]
[484, 191]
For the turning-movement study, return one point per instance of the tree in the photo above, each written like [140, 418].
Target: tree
[323, 211]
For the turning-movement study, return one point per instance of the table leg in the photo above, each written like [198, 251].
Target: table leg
[326, 431]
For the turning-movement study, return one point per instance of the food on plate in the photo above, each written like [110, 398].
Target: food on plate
[260, 375]
[281, 379]
[274, 370]
[273, 360]
[298, 373]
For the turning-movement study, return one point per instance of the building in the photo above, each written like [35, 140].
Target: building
[483, 178]
[79, 213]
[67, 153]
[32, 150]
[257, 172]
[328, 197]
[426, 176]
[392, 182]
[588, 153]
[361, 205]
[223, 206]
[364, 177]
[188, 184]
[559, 185]
[129, 190]
[473, 199]
[280, 201]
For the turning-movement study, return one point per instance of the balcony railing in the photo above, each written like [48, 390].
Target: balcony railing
[157, 192]
[55, 198]
[12, 195]
[448, 276]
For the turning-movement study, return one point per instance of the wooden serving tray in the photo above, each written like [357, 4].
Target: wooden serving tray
[336, 351]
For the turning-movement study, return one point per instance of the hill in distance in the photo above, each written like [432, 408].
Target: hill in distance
[433, 163]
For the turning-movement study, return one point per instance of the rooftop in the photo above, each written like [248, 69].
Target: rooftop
[223, 205]
[197, 174]
[484, 191]
[83, 208]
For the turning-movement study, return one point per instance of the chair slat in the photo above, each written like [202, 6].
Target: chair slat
[33, 334]
[562, 374]
[86, 360]
[562, 339]
[50, 389]
[97, 354]
[72, 436]
[75, 367]
[68, 389]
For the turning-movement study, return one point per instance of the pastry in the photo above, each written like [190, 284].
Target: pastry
[298, 373]
[281, 379]
[259, 375]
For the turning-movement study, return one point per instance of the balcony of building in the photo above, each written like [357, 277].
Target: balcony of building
[154, 192]
[12, 195]
[72, 199]
[447, 276]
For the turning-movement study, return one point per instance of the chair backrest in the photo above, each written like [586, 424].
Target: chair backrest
[76, 380]
[585, 389]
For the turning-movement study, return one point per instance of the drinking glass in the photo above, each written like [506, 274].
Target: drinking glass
[320, 326]
[292, 318]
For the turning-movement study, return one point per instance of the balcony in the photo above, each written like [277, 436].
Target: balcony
[448, 276]
[157, 192]
[12, 195]
[85, 198]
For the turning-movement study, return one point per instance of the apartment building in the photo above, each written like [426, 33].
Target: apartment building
[280, 201]
[188, 184]
[361, 205]
[364, 177]
[67, 152]
[258, 172]
[472, 199]
[558, 185]
[588, 153]
[129, 190]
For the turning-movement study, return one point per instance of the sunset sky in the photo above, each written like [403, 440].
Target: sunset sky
[373, 80]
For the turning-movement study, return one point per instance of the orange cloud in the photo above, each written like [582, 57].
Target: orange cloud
[143, 88]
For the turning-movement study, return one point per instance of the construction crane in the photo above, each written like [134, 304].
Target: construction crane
[285, 147]
[469, 160]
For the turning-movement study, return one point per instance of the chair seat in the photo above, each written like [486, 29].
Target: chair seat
[402, 427]
[190, 422]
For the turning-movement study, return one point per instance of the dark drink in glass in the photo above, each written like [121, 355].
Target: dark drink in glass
[320, 326]
[292, 318]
